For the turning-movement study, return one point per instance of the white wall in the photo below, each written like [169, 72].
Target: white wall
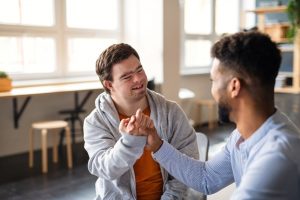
[200, 84]
[171, 49]
[43, 107]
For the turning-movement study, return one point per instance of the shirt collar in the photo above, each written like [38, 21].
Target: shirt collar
[262, 131]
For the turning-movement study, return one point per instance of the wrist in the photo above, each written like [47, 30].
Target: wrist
[157, 145]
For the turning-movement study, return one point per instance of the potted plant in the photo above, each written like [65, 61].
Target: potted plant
[5, 82]
[293, 12]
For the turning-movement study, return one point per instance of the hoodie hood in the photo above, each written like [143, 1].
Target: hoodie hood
[157, 103]
[105, 106]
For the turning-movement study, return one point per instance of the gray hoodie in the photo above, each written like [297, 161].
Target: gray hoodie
[112, 154]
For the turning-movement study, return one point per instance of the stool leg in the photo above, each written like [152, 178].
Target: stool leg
[44, 151]
[31, 147]
[61, 141]
[69, 147]
[73, 118]
[55, 148]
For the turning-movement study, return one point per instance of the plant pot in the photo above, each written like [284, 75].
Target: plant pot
[5, 84]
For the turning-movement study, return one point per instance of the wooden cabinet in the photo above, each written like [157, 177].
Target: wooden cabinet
[277, 32]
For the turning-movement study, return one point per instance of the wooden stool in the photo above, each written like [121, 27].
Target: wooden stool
[44, 127]
[212, 110]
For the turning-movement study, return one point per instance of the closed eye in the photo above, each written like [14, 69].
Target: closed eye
[126, 77]
[129, 75]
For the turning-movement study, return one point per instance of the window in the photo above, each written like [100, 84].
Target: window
[39, 38]
[30, 12]
[144, 31]
[204, 22]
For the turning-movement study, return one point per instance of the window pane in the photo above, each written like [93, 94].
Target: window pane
[249, 17]
[197, 53]
[27, 12]
[227, 16]
[197, 16]
[94, 14]
[27, 54]
[83, 52]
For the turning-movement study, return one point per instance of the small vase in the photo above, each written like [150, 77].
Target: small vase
[5, 84]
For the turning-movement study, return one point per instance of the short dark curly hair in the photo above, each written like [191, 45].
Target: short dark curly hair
[251, 55]
[112, 55]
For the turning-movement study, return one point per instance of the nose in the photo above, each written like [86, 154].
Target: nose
[136, 77]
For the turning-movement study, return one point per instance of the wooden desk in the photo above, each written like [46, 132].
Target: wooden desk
[27, 92]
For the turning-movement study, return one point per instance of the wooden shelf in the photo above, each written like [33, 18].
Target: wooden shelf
[277, 32]
[263, 10]
[287, 90]
[278, 29]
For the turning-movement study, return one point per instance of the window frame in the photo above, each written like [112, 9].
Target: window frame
[212, 37]
[61, 33]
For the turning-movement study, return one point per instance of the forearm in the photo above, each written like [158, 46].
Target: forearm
[113, 161]
[195, 174]
[175, 189]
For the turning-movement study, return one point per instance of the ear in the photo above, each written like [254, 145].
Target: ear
[235, 87]
[107, 84]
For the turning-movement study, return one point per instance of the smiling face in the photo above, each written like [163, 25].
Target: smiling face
[129, 81]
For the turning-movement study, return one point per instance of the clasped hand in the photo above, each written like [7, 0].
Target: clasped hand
[141, 125]
[137, 124]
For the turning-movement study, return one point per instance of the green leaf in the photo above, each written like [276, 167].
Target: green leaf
[3, 74]
[293, 12]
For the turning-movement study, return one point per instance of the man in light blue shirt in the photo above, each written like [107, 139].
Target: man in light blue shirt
[262, 155]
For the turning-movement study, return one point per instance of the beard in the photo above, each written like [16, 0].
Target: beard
[224, 112]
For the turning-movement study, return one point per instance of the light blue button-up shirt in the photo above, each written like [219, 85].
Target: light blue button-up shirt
[265, 166]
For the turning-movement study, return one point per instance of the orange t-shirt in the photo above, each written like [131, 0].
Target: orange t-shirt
[149, 182]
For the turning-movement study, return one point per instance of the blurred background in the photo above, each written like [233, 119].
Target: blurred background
[56, 42]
